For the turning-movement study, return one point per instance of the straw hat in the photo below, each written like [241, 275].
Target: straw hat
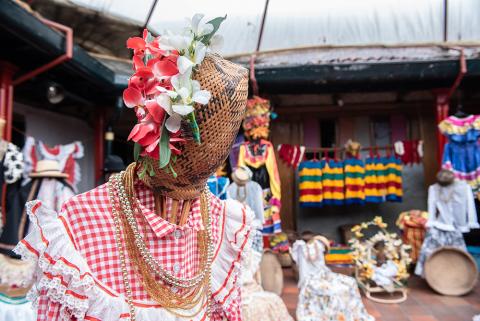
[218, 121]
[242, 175]
[445, 177]
[48, 169]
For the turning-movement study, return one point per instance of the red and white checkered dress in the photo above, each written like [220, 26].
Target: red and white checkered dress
[79, 275]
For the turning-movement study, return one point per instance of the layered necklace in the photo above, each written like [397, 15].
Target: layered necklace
[175, 294]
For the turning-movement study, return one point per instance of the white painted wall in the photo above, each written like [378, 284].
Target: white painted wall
[54, 129]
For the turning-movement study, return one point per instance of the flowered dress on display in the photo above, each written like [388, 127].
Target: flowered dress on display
[462, 152]
[325, 295]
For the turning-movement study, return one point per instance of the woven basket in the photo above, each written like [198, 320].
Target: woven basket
[218, 121]
[451, 271]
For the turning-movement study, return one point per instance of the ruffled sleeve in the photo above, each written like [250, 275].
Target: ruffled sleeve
[62, 279]
[234, 241]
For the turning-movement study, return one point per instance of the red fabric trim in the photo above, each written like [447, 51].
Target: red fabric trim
[221, 233]
[244, 218]
[65, 224]
[239, 255]
[30, 248]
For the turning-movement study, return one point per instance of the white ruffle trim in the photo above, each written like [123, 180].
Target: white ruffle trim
[228, 263]
[63, 275]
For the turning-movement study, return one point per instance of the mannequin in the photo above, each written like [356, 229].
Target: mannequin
[153, 244]
[451, 211]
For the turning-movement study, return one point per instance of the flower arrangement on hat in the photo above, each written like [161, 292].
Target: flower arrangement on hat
[162, 90]
[394, 249]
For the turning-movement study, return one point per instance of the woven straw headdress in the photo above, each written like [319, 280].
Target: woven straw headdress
[218, 121]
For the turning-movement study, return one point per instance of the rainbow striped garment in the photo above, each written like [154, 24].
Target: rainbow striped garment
[393, 179]
[310, 187]
[354, 181]
[375, 180]
[333, 181]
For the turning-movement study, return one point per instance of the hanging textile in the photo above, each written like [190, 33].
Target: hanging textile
[412, 223]
[373, 181]
[291, 155]
[66, 155]
[333, 181]
[393, 182]
[260, 158]
[462, 152]
[310, 183]
[354, 181]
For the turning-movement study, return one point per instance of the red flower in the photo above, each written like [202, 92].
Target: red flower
[141, 45]
[148, 131]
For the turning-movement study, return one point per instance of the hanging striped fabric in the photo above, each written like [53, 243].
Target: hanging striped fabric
[354, 181]
[372, 188]
[333, 182]
[310, 187]
[393, 169]
[381, 172]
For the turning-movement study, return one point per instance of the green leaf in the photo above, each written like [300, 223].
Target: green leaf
[195, 129]
[164, 150]
[137, 148]
[216, 22]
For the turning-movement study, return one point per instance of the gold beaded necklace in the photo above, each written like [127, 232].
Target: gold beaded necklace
[193, 294]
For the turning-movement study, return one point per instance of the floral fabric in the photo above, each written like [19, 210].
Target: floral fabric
[325, 295]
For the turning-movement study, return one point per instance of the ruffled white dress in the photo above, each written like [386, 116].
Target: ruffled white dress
[63, 278]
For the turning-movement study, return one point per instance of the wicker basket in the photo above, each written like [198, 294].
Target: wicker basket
[218, 121]
[451, 271]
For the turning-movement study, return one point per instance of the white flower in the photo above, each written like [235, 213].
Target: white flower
[175, 42]
[190, 92]
[184, 65]
[164, 101]
[173, 123]
[198, 25]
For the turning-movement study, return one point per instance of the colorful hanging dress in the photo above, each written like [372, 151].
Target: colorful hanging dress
[260, 158]
[393, 171]
[373, 187]
[333, 182]
[462, 152]
[310, 184]
[354, 181]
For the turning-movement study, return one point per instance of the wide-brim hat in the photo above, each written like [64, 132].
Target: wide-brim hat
[48, 169]
[219, 122]
[242, 175]
[445, 177]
